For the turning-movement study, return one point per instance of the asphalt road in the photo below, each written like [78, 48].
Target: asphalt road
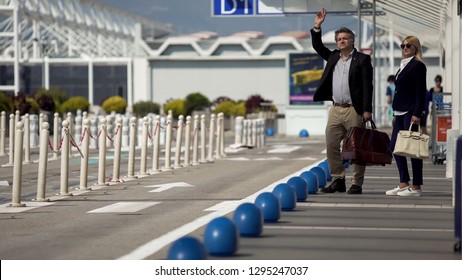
[137, 219]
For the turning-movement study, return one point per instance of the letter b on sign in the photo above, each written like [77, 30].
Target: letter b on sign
[232, 7]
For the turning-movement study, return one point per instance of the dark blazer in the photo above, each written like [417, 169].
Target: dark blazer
[359, 78]
[411, 88]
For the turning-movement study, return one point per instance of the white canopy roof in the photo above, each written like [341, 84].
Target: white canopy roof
[424, 19]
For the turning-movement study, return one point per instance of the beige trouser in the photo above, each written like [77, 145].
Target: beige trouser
[340, 120]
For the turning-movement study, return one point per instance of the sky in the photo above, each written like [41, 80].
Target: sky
[190, 16]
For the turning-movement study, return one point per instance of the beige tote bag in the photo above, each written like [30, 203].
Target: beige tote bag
[413, 144]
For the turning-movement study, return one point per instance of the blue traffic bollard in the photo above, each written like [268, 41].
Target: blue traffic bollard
[248, 219]
[286, 195]
[270, 205]
[221, 237]
[300, 186]
[187, 248]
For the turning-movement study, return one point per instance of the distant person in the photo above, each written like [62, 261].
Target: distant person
[347, 82]
[437, 88]
[408, 107]
[390, 93]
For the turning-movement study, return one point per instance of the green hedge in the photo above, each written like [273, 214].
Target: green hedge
[142, 108]
[114, 104]
[74, 104]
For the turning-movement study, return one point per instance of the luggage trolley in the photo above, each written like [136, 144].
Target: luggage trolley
[441, 122]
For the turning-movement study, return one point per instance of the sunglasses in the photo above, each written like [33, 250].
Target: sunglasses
[405, 46]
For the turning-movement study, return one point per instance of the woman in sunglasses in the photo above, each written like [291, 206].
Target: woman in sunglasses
[408, 107]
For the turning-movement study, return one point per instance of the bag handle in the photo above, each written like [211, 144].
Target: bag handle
[372, 124]
[419, 131]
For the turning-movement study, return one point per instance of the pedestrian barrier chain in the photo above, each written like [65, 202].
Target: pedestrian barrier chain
[248, 133]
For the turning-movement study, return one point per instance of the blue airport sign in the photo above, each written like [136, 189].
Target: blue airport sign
[233, 8]
[280, 7]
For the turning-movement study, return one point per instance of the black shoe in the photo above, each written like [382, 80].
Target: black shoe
[338, 185]
[355, 189]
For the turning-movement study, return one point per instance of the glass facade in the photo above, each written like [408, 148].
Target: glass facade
[108, 80]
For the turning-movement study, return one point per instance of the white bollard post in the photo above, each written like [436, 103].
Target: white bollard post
[94, 133]
[151, 118]
[218, 136]
[222, 136]
[78, 125]
[71, 129]
[262, 132]
[251, 133]
[85, 154]
[125, 134]
[109, 130]
[55, 134]
[43, 162]
[35, 130]
[102, 153]
[203, 160]
[179, 136]
[195, 140]
[17, 117]
[156, 145]
[144, 147]
[117, 151]
[17, 169]
[131, 152]
[246, 134]
[187, 141]
[27, 139]
[11, 144]
[70, 119]
[2, 133]
[64, 187]
[211, 137]
[40, 121]
[139, 131]
[254, 132]
[168, 144]
[163, 124]
[238, 131]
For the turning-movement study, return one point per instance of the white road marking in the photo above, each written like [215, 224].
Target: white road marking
[223, 205]
[5, 208]
[370, 205]
[234, 150]
[124, 207]
[269, 158]
[283, 149]
[358, 228]
[164, 187]
[237, 158]
[395, 177]
[4, 184]
[306, 158]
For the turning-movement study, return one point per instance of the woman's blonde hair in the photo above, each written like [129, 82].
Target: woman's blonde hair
[414, 41]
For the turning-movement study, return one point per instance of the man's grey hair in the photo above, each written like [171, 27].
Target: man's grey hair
[344, 30]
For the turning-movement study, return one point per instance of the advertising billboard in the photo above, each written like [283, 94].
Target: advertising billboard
[305, 71]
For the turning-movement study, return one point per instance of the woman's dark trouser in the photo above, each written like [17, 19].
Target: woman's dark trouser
[402, 123]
